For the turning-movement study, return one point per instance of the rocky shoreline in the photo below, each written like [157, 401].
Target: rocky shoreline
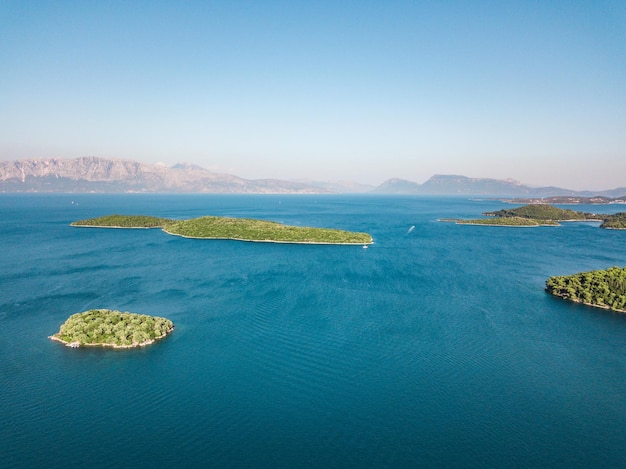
[76, 344]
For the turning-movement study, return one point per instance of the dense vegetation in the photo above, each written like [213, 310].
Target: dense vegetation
[259, 230]
[113, 328]
[544, 212]
[232, 228]
[124, 221]
[616, 222]
[603, 288]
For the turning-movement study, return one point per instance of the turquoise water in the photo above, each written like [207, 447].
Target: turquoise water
[435, 347]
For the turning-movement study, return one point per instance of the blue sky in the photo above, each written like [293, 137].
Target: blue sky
[324, 90]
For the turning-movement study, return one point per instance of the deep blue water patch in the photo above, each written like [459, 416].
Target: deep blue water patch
[437, 346]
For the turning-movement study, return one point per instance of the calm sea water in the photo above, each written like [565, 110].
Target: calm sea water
[435, 347]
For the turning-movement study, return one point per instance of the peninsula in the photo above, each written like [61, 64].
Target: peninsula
[615, 222]
[107, 328]
[241, 229]
[600, 288]
[543, 215]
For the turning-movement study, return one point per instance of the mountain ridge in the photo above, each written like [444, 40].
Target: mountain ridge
[441, 184]
[93, 174]
[102, 175]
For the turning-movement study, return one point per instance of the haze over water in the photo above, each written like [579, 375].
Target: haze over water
[437, 346]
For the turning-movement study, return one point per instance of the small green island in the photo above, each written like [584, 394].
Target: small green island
[504, 221]
[108, 328]
[124, 221]
[241, 229]
[543, 215]
[600, 288]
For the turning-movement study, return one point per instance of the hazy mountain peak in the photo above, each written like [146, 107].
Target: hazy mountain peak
[93, 174]
[451, 184]
[185, 165]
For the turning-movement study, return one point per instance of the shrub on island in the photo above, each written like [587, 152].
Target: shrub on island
[104, 327]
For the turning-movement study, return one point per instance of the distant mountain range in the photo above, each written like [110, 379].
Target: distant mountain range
[91, 174]
[462, 185]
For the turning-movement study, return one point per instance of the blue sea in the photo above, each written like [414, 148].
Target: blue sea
[435, 347]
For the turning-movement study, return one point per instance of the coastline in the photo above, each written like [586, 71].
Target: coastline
[266, 240]
[501, 225]
[461, 222]
[104, 344]
[221, 238]
[608, 308]
[117, 227]
[558, 222]
[582, 220]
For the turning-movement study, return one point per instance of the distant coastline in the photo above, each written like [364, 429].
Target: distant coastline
[568, 200]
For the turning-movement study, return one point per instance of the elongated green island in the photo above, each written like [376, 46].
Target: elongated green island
[543, 215]
[242, 229]
[504, 221]
[599, 288]
[107, 328]
[124, 221]
[544, 212]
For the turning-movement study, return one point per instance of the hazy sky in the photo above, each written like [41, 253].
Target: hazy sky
[360, 90]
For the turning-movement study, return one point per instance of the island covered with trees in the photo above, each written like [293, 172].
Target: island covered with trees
[108, 328]
[543, 215]
[124, 221]
[242, 229]
[615, 222]
[544, 212]
[599, 288]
